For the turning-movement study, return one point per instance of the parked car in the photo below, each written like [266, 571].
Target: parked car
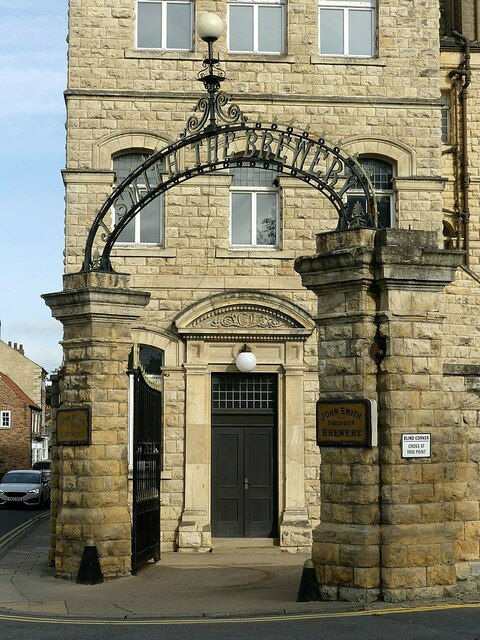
[43, 465]
[30, 487]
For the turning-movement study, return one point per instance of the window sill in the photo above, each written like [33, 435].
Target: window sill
[345, 60]
[139, 250]
[258, 254]
[278, 58]
[162, 53]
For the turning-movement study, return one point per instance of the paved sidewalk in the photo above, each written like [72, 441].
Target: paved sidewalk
[226, 582]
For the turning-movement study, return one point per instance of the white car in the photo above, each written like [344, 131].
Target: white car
[28, 487]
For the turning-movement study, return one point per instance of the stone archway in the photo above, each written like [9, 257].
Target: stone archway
[98, 310]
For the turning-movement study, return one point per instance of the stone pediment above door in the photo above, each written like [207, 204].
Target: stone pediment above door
[242, 315]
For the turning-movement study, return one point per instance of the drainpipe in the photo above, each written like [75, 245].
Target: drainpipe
[477, 20]
[463, 74]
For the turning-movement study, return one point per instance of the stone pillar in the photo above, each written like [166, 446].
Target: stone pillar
[418, 536]
[378, 303]
[195, 533]
[295, 528]
[97, 311]
[346, 544]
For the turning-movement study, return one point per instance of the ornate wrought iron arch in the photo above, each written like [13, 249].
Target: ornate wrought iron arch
[216, 147]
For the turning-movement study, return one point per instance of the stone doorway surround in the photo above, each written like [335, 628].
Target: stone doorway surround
[215, 330]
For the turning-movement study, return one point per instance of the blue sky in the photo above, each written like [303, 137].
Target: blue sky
[32, 154]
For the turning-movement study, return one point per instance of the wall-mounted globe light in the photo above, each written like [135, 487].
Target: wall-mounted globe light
[246, 360]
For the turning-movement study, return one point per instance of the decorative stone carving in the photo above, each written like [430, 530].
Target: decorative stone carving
[244, 317]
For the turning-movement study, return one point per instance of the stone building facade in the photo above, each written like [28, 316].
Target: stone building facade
[390, 83]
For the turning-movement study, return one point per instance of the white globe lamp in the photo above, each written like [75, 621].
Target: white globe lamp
[209, 27]
[246, 360]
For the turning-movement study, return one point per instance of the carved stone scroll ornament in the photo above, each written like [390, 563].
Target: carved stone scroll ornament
[244, 319]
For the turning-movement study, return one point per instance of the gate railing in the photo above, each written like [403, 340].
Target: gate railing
[147, 457]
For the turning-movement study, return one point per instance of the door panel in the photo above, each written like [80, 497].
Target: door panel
[259, 494]
[227, 481]
[243, 482]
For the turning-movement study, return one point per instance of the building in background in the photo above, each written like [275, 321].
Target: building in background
[24, 384]
[20, 420]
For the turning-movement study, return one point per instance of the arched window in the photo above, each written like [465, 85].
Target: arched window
[449, 238]
[150, 359]
[254, 208]
[147, 226]
[381, 174]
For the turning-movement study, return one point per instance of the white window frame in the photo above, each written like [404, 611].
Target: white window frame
[446, 118]
[138, 217]
[346, 6]
[256, 4]
[390, 193]
[163, 44]
[254, 191]
[5, 416]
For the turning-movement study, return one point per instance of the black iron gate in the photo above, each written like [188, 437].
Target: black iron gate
[147, 456]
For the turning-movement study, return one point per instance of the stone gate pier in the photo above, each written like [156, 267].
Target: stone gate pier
[386, 530]
[90, 503]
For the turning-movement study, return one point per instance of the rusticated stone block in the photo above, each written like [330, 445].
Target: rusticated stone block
[335, 575]
[425, 593]
[366, 578]
[395, 556]
[360, 555]
[326, 553]
[366, 514]
[405, 577]
[345, 533]
[467, 510]
[467, 549]
[441, 575]
[410, 534]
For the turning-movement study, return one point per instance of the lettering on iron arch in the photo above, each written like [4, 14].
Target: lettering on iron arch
[295, 153]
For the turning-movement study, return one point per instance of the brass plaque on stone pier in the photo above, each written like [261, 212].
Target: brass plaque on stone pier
[73, 426]
[347, 423]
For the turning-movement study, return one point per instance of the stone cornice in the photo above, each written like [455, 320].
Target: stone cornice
[259, 98]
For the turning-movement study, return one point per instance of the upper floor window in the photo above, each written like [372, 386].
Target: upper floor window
[347, 27]
[449, 236]
[165, 24]
[147, 226]
[445, 118]
[5, 419]
[254, 208]
[256, 26]
[381, 177]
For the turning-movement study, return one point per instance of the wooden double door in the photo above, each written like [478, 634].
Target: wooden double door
[244, 457]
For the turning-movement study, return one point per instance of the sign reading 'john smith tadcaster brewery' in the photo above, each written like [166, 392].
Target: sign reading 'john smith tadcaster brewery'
[346, 423]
